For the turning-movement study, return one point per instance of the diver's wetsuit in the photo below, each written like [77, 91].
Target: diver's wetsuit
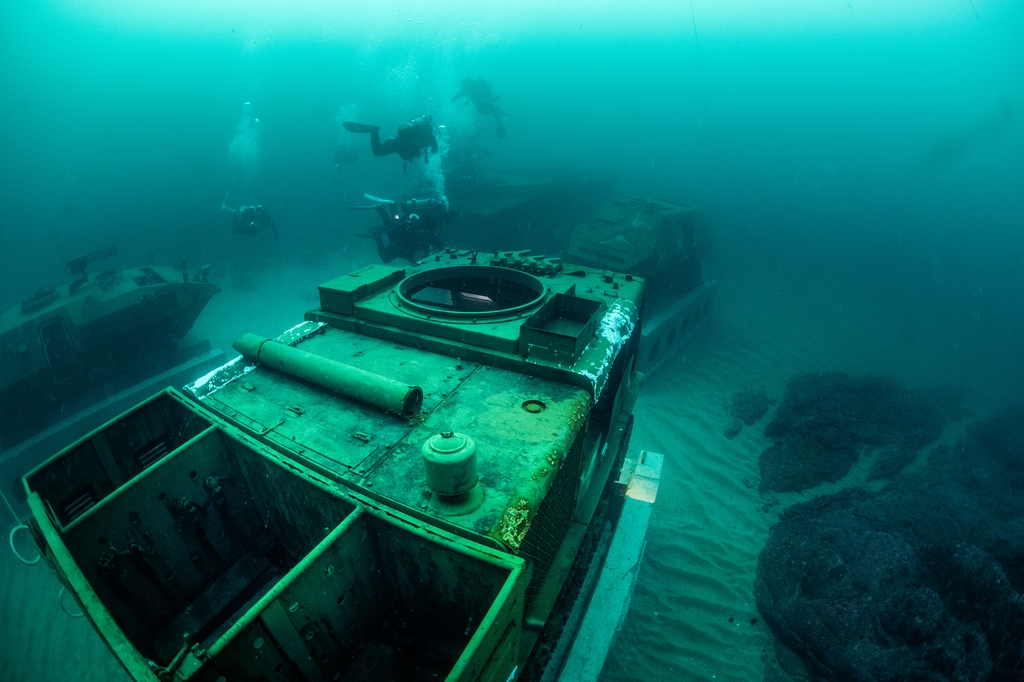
[480, 94]
[252, 220]
[411, 138]
[476, 89]
[410, 229]
[412, 239]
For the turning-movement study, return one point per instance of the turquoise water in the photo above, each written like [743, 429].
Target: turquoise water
[860, 163]
[860, 141]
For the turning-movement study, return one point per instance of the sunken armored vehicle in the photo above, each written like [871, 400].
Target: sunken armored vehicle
[409, 485]
[500, 211]
[65, 346]
[663, 242]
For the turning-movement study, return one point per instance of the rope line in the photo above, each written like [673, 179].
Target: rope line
[10, 541]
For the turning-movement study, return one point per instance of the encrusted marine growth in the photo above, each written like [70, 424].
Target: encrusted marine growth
[514, 524]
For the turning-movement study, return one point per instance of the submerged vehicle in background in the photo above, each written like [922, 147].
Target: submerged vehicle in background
[65, 347]
[501, 211]
[418, 482]
[663, 242]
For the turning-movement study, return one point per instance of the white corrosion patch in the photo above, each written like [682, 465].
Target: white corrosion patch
[613, 333]
[301, 332]
[216, 379]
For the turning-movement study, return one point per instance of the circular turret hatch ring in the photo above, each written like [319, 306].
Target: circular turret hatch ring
[471, 292]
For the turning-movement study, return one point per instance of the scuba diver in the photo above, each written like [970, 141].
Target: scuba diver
[412, 138]
[410, 228]
[478, 91]
[249, 219]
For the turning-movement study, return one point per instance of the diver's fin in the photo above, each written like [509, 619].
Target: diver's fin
[377, 236]
[359, 127]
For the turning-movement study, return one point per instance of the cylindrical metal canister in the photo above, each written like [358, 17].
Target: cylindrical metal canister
[358, 384]
[450, 459]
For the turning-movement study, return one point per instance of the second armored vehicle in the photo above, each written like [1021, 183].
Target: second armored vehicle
[114, 328]
[658, 240]
[666, 244]
[498, 211]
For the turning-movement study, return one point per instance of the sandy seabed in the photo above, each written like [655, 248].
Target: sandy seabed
[709, 523]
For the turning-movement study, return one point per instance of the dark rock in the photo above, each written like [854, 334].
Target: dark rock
[921, 580]
[826, 420]
[746, 407]
[912, 616]
[970, 493]
[852, 602]
[788, 667]
[890, 462]
[978, 590]
[788, 467]
[750, 405]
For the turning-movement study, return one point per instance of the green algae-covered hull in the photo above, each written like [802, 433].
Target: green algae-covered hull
[296, 515]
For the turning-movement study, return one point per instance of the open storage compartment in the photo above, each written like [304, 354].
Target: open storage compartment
[177, 555]
[383, 601]
[561, 329]
[84, 474]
